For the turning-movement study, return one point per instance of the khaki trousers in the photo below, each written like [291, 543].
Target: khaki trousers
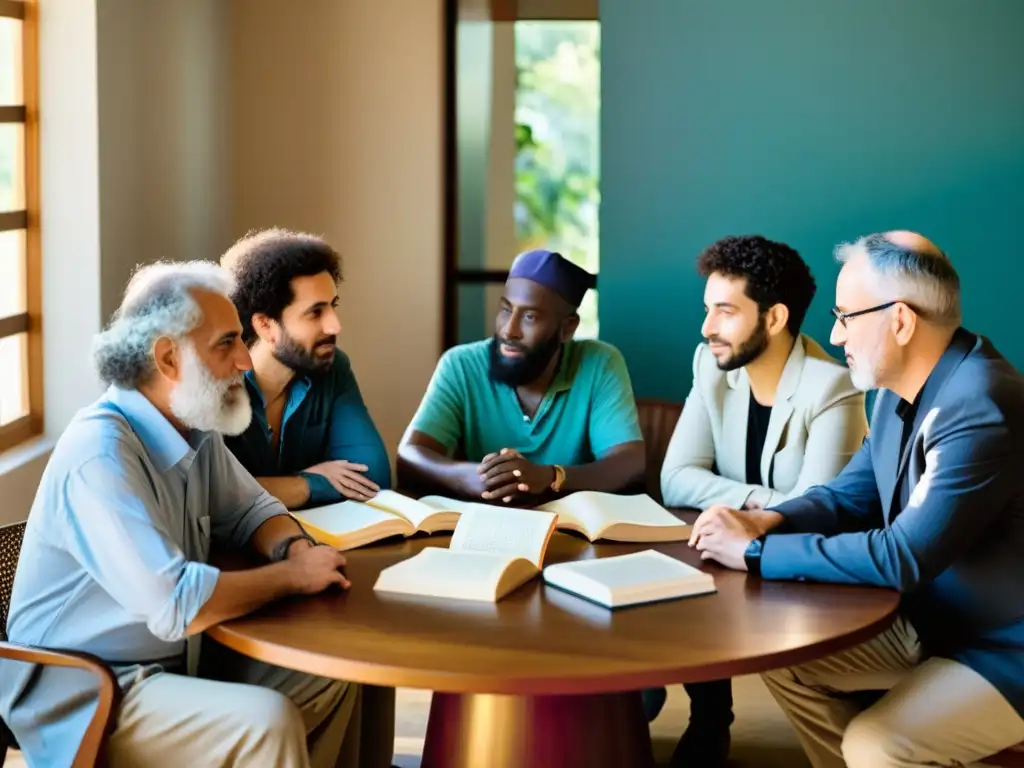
[241, 713]
[937, 712]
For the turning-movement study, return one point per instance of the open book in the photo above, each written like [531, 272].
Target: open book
[641, 577]
[617, 518]
[492, 552]
[350, 524]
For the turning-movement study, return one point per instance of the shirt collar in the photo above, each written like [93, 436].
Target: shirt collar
[298, 387]
[164, 444]
[562, 382]
[960, 346]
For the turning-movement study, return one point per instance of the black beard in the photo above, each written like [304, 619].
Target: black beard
[303, 361]
[529, 367]
[749, 350]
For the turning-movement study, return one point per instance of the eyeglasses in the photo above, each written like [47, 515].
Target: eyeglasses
[842, 317]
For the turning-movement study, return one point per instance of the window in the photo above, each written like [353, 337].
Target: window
[523, 104]
[21, 350]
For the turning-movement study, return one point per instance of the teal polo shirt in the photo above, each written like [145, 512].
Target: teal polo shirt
[588, 409]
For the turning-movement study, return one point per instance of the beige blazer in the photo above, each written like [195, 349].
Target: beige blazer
[817, 424]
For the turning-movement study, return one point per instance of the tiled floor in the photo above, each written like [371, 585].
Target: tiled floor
[761, 735]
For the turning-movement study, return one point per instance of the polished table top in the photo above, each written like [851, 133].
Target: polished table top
[539, 640]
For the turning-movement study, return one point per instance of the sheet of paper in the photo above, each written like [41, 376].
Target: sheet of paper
[512, 532]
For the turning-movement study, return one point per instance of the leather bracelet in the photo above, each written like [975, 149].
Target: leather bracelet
[280, 552]
[752, 556]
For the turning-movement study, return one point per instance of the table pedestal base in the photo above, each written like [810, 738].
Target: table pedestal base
[548, 731]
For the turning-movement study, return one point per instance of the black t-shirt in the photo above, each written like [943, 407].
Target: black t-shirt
[757, 430]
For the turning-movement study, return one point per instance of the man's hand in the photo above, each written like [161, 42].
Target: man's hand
[723, 534]
[347, 479]
[314, 569]
[506, 474]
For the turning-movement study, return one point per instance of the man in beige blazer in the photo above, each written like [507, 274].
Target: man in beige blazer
[769, 415]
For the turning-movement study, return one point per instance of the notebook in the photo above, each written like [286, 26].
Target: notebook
[492, 552]
[633, 579]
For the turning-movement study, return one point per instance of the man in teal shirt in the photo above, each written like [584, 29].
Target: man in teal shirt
[311, 441]
[530, 411]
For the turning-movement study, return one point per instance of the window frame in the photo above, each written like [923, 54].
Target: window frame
[29, 321]
[478, 10]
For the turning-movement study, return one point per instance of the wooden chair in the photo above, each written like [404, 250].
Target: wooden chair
[657, 421]
[91, 750]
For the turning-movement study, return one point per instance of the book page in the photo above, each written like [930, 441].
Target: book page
[439, 572]
[598, 510]
[344, 517]
[510, 532]
[404, 506]
[444, 504]
[648, 568]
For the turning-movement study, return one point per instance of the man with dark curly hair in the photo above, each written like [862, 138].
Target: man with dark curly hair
[770, 414]
[311, 440]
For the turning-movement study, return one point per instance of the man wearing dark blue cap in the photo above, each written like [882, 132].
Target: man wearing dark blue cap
[529, 411]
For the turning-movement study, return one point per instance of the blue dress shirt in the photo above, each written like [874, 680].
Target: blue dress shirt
[114, 558]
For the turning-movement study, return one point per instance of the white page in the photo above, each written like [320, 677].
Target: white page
[647, 568]
[344, 517]
[412, 510]
[510, 532]
[444, 504]
[437, 572]
[595, 510]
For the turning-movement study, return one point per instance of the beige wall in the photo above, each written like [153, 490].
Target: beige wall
[170, 128]
[163, 135]
[337, 109]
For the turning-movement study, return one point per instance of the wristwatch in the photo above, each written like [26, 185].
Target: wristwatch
[556, 484]
[281, 550]
[752, 555]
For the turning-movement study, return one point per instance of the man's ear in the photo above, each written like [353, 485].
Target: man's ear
[776, 318]
[904, 323]
[264, 327]
[569, 326]
[167, 359]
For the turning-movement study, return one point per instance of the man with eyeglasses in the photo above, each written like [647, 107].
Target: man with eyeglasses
[932, 505]
[769, 415]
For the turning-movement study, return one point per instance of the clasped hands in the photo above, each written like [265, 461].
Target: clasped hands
[723, 534]
[506, 474]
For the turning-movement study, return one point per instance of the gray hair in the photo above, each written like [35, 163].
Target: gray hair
[922, 277]
[158, 301]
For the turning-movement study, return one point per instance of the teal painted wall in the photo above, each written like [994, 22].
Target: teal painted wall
[812, 123]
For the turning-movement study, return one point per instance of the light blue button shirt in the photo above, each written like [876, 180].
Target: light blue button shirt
[114, 557]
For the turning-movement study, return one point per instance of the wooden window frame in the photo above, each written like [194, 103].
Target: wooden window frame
[31, 320]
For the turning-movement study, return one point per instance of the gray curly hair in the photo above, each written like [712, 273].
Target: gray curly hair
[158, 301]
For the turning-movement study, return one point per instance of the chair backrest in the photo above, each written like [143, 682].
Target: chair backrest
[11, 537]
[657, 422]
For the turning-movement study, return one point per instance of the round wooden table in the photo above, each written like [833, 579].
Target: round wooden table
[543, 677]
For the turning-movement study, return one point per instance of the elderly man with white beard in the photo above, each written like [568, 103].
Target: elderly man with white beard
[114, 561]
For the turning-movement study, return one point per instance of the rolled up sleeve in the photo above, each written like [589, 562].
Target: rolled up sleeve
[109, 530]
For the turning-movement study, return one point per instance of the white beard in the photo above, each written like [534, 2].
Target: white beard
[208, 404]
